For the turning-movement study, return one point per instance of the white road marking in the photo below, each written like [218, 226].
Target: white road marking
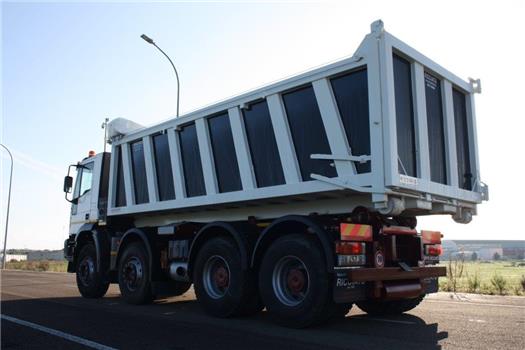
[380, 319]
[169, 313]
[474, 303]
[477, 321]
[56, 333]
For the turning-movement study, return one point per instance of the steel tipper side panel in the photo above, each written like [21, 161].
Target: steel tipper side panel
[318, 194]
[394, 179]
[383, 188]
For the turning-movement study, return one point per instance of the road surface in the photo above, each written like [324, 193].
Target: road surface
[44, 310]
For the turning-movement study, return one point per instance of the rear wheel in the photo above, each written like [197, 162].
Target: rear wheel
[221, 286]
[391, 307]
[91, 283]
[134, 276]
[294, 284]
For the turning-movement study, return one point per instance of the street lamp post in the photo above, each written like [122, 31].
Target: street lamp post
[150, 41]
[8, 203]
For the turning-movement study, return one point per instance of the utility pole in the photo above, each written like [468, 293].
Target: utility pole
[8, 204]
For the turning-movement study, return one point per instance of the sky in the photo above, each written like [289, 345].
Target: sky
[67, 66]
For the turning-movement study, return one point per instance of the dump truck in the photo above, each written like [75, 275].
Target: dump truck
[300, 197]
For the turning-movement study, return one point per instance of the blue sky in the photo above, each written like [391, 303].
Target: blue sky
[67, 66]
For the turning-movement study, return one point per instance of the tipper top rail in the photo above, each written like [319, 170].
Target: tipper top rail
[387, 128]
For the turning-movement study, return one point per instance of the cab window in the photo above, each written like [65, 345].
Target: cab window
[84, 180]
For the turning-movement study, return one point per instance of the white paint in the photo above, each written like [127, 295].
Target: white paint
[56, 333]
[477, 321]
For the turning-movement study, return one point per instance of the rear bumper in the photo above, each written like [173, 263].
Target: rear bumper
[394, 273]
[385, 283]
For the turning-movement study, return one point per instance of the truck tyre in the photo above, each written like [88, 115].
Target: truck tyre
[294, 284]
[91, 284]
[391, 307]
[134, 276]
[221, 286]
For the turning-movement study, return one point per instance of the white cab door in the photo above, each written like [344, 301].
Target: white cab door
[81, 211]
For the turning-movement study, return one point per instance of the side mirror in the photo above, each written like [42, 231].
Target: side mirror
[68, 184]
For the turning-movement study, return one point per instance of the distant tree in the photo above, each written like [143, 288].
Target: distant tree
[496, 256]
[474, 256]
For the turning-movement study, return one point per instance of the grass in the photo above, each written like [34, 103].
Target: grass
[488, 277]
[41, 265]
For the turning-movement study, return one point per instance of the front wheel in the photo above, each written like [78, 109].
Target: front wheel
[91, 283]
[294, 284]
[391, 307]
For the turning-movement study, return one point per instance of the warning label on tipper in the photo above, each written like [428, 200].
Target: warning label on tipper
[430, 81]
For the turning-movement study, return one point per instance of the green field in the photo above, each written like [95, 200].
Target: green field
[511, 272]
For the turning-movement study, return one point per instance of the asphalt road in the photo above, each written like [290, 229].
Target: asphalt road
[44, 310]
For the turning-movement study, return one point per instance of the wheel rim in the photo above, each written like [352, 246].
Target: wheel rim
[216, 277]
[290, 280]
[132, 273]
[86, 270]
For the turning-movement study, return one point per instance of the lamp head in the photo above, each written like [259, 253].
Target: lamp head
[147, 39]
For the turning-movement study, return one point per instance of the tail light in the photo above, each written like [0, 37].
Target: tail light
[350, 248]
[433, 249]
[350, 253]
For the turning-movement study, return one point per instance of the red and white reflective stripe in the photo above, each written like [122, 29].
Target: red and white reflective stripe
[431, 237]
[398, 230]
[355, 232]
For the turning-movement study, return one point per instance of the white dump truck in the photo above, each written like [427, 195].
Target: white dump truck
[300, 197]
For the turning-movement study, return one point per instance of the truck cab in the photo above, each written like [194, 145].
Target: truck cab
[89, 194]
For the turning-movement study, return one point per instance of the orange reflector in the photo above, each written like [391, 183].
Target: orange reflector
[433, 249]
[349, 248]
[398, 230]
[355, 232]
[431, 237]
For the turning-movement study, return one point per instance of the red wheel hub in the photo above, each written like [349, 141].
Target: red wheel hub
[296, 281]
[221, 277]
